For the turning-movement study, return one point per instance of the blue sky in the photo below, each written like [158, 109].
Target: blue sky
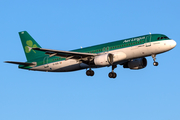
[151, 93]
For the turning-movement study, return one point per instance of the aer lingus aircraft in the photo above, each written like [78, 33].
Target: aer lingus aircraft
[130, 53]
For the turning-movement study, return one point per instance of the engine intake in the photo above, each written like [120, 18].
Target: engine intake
[103, 60]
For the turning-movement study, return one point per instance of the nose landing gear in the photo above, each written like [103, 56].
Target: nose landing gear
[154, 59]
[155, 63]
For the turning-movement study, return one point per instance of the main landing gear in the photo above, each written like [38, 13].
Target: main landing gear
[113, 74]
[154, 59]
[90, 72]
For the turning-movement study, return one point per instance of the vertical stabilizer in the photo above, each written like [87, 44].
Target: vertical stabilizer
[28, 43]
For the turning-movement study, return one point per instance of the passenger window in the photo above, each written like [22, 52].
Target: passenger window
[162, 38]
[158, 38]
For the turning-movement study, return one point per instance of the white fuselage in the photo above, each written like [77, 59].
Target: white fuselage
[143, 50]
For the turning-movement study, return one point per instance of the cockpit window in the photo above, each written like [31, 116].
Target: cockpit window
[166, 38]
[161, 38]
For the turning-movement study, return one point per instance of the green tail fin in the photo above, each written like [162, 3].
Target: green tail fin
[28, 43]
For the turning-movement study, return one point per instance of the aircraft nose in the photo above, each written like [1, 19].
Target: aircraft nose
[173, 43]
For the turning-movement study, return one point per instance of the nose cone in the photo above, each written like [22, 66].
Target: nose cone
[172, 43]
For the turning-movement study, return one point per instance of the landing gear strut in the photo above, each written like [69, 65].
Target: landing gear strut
[154, 59]
[90, 72]
[113, 74]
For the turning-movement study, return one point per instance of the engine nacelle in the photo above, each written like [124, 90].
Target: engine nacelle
[136, 64]
[103, 60]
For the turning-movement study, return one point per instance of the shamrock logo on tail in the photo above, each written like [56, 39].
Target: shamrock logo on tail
[29, 46]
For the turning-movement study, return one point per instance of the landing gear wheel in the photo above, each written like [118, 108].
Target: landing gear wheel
[155, 63]
[90, 73]
[112, 75]
[154, 59]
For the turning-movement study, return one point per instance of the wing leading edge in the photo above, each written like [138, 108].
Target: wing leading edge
[65, 54]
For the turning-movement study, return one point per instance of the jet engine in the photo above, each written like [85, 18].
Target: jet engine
[136, 64]
[103, 60]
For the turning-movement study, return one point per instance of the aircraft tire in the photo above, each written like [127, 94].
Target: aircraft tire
[155, 63]
[91, 73]
[112, 75]
[88, 72]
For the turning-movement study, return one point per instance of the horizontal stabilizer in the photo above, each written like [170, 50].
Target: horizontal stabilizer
[20, 63]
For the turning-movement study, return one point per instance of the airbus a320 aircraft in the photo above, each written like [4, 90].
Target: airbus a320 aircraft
[130, 53]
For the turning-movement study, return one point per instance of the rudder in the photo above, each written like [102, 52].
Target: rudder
[28, 43]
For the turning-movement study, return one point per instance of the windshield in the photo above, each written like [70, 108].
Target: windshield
[162, 38]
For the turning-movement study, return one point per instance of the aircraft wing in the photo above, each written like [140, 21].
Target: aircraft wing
[65, 54]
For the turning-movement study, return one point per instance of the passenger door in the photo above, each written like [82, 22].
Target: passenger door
[148, 40]
[45, 62]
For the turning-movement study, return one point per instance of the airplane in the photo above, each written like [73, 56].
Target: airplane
[130, 53]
